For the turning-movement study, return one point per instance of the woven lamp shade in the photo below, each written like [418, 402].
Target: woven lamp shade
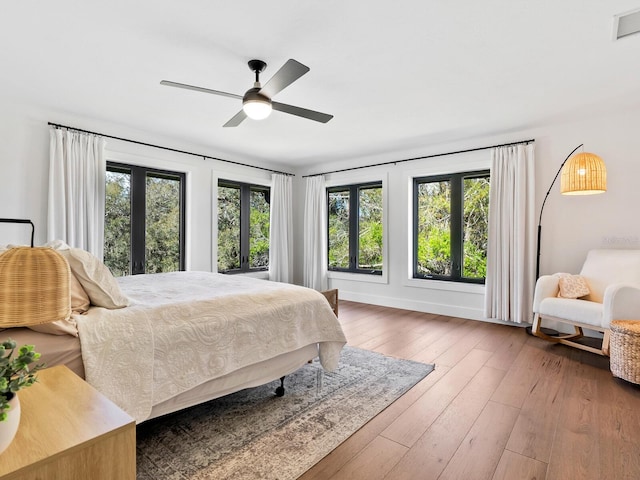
[583, 174]
[34, 287]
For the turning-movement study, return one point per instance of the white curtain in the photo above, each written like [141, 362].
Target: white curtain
[315, 234]
[281, 229]
[511, 251]
[77, 175]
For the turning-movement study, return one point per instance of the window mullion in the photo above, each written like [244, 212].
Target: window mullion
[138, 219]
[456, 226]
[353, 228]
[245, 226]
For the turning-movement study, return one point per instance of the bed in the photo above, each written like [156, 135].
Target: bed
[184, 338]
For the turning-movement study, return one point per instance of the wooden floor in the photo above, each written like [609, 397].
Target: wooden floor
[500, 404]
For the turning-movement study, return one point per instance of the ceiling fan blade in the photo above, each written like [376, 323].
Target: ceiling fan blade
[236, 119]
[288, 73]
[302, 112]
[199, 89]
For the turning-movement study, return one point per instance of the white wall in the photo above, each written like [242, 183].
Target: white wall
[24, 163]
[571, 224]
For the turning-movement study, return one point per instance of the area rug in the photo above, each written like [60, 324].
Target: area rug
[252, 434]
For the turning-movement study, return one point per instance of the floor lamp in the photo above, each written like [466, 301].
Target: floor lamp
[582, 174]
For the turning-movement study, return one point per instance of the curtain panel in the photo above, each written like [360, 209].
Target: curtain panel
[77, 176]
[315, 234]
[281, 229]
[512, 239]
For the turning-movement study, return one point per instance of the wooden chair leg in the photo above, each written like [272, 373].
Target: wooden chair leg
[536, 329]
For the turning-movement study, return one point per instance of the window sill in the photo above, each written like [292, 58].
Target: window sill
[262, 274]
[358, 277]
[476, 288]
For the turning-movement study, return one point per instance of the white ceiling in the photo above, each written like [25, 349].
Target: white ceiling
[396, 75]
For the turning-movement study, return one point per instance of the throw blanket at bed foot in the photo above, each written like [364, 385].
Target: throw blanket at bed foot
[185, 328]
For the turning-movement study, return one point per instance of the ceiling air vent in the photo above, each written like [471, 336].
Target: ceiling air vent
[626, 24]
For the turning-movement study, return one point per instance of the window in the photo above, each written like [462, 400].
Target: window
[144, 220]
[355, 228]
[450, 218]
[243, 227]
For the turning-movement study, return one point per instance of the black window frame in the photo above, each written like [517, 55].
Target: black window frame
[354, 227]
[138, 175]
[245, 227]
[456, 224]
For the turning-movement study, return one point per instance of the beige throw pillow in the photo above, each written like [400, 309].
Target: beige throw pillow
[572, 286]
[96, 279]
[80, 301]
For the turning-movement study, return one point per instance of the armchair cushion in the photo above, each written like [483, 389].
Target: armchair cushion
[574, 310]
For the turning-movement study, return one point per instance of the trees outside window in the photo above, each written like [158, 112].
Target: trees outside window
[144, 220]
[243, 227]
[450, 219]
[355, 228]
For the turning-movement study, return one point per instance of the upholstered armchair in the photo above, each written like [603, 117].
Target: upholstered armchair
[607, 288]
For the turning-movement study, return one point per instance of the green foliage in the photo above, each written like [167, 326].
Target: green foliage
[15, 372]
[369, 225]
[370, 228]
[476, 227]
[339, 229]
[259, 230]
[162, 238]
[228, 228]
[162, 224]
[117, 223]
[434, 255]
[434, 231]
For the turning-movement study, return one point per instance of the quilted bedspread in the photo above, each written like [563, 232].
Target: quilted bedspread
[185, 328]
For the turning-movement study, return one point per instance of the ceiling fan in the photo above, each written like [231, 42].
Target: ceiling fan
[256, 102]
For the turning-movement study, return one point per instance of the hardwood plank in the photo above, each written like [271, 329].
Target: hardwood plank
[417, 418]
[431, 453]
[359, 440]
[507, 352]
[534, 430]
[515, 466]
[534, 361]
[461, 348]
[481, 450]
[596, 435]
[618, 419]
[575, 451]
[373, 462]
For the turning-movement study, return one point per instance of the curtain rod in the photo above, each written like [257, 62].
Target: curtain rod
[393, 162]
[205, 157]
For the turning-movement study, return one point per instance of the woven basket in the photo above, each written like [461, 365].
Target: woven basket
[625, 350]
[34, 286]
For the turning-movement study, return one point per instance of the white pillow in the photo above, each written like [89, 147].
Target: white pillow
[96, 279]
[94, 276]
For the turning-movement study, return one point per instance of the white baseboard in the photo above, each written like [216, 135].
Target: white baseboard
[426, 307]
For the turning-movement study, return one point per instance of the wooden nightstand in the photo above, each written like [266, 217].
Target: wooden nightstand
[68, 430]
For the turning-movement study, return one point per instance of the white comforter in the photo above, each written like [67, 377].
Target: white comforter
[185, 328]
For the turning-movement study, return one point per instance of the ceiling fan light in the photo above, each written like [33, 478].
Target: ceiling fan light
[255, 104]
[256, 109]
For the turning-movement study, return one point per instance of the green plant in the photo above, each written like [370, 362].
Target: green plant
[15, 371]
